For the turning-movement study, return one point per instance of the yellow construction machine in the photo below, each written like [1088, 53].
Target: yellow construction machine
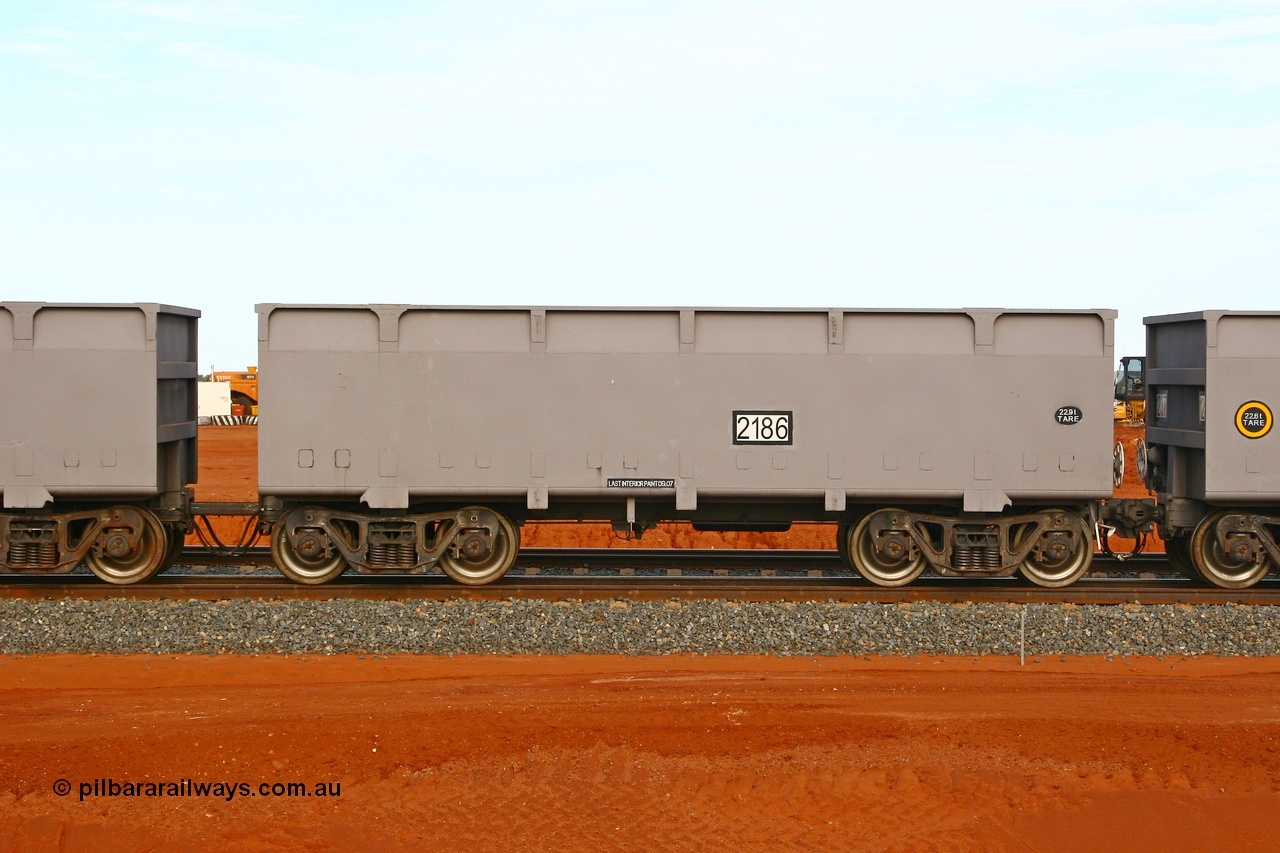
[1131, 390]
[244, 388]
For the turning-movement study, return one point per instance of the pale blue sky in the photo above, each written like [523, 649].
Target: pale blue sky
[917, 154]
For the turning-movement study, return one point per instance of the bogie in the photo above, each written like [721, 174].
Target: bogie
[316, 544]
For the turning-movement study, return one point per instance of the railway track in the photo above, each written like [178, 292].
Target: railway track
[673, 559]
[638, 575]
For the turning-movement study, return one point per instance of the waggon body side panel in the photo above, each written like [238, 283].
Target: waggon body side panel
[400, 403]
[98, 401]
[1213, 386]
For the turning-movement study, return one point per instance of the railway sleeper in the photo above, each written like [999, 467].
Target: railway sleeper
[315, 544]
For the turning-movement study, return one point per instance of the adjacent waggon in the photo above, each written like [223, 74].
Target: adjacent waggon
[412, 439]
[1212, 380]
[97, 436]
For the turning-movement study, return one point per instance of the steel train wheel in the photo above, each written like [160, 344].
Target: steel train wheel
[1217, 568]
[870, 559]
[487, 567]
[1142, 463]
[842, 543]
[116, 560]
[302, 567]
[1056, 569]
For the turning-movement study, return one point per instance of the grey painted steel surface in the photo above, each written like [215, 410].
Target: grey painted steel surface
[1204, 369]
[547, 406]
[99, 401]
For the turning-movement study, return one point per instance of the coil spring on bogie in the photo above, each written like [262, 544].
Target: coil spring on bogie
[33, 555]
[391, 555]
[976, 557]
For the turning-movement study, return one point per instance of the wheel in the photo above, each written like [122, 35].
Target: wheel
[1140, 454]
[1117, 465]
[842, 543]
[1058, 563]
[295, 560]
[1220, 569]
[884, 560]
[488, 564]
[115, 560]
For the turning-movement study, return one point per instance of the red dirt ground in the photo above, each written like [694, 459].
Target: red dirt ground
[587, 753]
[592, 753]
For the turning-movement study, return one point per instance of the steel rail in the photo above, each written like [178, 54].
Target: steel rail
[659, 558]
[434, 587]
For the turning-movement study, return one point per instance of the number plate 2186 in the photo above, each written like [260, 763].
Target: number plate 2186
[759, 427]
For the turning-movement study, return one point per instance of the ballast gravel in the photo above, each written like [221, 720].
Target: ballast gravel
[633, 628]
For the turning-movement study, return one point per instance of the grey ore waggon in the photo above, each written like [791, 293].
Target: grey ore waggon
[1212, 384]
[399, 438]
[97, 436]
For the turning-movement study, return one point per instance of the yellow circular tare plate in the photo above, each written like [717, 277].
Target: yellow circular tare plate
[1253, 419]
